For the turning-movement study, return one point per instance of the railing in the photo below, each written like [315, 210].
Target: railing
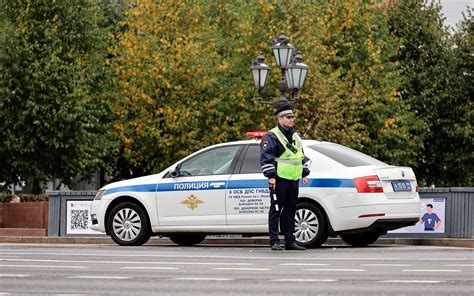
[454, 206]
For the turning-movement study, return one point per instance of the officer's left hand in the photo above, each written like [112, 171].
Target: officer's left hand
[305, 181]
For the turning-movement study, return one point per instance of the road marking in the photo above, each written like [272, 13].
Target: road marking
[336, 269]
[99, 277]
[14, 275]
[150, 267]
[43, 266]
[128, 262]
[202, 279]
[303, 264]
[411, 281]
[229, 257]
[459, 265]
[304, 280]
[431, 270]
[237, 268]
[385, 264]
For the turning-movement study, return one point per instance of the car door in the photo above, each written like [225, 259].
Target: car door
[197, 195]
[248, 196]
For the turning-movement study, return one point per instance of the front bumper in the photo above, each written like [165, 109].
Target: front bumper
[98, 211]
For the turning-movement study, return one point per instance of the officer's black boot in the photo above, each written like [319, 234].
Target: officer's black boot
[276, 247]
[294, 246]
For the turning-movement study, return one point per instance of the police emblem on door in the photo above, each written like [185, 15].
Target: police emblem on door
[192, 202]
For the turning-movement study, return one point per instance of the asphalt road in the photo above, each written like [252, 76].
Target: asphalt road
[235, 270]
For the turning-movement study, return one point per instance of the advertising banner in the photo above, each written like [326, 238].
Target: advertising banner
[432, 217]
[78, 217]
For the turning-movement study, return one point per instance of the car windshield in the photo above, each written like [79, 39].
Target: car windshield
[213, 162]
[346, 156]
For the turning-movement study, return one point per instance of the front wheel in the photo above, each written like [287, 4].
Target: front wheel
[128, 225]
[311, 229]
[187, 239]
[360, 239]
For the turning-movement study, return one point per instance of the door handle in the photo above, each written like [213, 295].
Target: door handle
[217, 184]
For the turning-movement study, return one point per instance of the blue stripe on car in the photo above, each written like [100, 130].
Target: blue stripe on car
[346, 183]
[238, 184]
[232, 184]
[132, 188]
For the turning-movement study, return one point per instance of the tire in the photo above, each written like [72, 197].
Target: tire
[128, 225]
[360, 239]
[311, 229]
[187, 239]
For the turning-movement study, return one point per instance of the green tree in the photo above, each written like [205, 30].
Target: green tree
[354, 82]
[436, 90]
[183, 71]
[52, 80]
[453, 153]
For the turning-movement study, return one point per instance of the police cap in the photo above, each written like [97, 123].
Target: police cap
[285, 109]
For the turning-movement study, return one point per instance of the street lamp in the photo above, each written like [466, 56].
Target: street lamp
[260, 73]
[282, 51]
[293, 71]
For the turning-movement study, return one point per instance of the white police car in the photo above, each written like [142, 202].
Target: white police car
[221, 190]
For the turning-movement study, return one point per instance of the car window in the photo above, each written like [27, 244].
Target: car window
[346, 156]
[251, 163]
[214, 162]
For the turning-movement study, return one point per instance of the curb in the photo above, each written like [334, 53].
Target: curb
[226, 241]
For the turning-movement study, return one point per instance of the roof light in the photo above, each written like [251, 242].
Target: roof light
[255, 135]
[368, 184]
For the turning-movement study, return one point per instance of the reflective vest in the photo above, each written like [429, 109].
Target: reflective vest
[290, 164]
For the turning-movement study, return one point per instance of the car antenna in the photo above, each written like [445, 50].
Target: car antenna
[310, 126]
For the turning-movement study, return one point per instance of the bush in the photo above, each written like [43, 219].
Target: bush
[24, 197]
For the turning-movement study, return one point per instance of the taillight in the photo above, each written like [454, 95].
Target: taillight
[368, 184]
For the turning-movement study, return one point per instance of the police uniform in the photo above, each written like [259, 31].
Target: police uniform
[282, 158]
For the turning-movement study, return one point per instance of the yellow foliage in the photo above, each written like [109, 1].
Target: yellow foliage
[389, 121]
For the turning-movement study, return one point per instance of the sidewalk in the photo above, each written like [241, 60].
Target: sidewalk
[226, 241]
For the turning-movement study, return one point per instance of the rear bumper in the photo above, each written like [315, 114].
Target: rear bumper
[383, 225]
[366, 215]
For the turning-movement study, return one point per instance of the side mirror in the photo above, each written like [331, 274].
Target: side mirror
[174, 172]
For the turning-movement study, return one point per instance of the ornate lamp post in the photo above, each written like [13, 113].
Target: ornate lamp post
[293, 71]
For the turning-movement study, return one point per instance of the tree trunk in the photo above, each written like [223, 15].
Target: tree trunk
[36, 187]
[102, 178]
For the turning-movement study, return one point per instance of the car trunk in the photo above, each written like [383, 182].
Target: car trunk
[397, 182]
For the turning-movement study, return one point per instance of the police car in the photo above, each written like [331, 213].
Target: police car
[221, 190]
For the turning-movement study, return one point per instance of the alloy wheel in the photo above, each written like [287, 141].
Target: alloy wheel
[127, 224]
[306, 225]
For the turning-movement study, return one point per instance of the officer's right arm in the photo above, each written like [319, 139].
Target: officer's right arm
[267, 156]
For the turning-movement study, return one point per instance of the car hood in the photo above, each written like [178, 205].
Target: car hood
[134, 181]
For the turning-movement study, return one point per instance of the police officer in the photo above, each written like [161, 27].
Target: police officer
[283, 163]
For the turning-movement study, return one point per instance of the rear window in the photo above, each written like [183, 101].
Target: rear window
[346, 156]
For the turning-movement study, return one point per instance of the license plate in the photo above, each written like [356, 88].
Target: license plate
[401, 186]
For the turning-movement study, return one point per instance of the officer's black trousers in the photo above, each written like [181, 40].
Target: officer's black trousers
[287, 197]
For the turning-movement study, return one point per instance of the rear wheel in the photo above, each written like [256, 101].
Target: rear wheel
[311, 229]
[360, 239]
[128, 225]
[187, 239]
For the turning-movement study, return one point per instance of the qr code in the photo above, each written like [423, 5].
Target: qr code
[79, 219]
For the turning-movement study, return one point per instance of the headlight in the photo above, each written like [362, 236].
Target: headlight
[99, 194]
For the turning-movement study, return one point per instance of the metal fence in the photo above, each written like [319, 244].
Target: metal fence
[456, 206]
[60, 210]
